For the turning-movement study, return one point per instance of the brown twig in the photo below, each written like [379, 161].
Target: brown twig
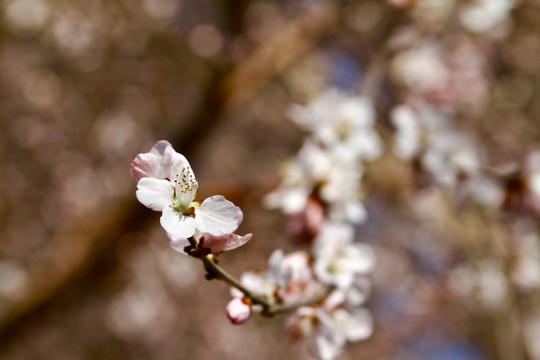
[269, 309]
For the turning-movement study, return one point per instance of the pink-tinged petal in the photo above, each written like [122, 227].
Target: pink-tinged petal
[154, 193]
[239, 310]
[161, 162]
[357, 325]
[218, 216]
[172, 164]
[145, 165]
[217, 244]
[149, 164]
[159, 147]
[176, 224]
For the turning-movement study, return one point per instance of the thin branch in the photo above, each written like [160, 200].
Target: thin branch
[268, 308]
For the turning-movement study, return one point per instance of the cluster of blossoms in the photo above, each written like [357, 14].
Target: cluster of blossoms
[322, 190]
[166, 183]
[327, 287]
[328, 167]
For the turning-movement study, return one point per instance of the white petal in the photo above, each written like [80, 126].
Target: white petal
[145, 165]
[176, 224]
[150, 164]
[361, 258]
[356, 326]
[154, 193]
[159, 147]
[218, 216]
[173, 164]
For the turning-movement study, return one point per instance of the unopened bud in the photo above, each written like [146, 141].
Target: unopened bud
[239, 310]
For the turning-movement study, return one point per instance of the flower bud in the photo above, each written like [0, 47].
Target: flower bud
[239, 310]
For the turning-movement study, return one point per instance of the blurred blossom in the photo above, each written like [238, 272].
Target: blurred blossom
[532, 173]
[341, 122]
[420, 68]
[481, 284]
[526, 271]
[486, 16]
[485, 191]
[289, 278]
[206, 40]
[26, 16]
[448, 76]
[327, 328]
[444, 152]
[338, 261]
[407, 138]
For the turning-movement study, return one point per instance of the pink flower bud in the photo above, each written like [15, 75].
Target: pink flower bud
[239, 310]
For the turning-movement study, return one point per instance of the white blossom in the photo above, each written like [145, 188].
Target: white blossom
[481, 16]
[327, 328]
[166, 183]
[341, 121]
[338, 261]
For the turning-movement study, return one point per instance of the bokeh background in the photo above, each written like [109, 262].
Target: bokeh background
[86, 272]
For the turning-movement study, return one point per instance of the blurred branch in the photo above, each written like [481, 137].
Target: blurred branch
[280, 51]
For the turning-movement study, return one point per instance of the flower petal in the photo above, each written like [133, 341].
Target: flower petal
[154, 193]
[217, 244]
[176, 224]
[161, 162]
[172, 164]
[218, 216]
[356, 326]
[145, 165]
[149, 164]
[159, 147]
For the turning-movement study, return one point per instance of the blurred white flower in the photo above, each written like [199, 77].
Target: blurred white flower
[408, 131]
[289, 278]
[341, 121]
[481, 16]
[333, 178]
[420, 68]
[526, 271]
[443, 152]
[338, 261]
[482, 283]
[328, 327]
